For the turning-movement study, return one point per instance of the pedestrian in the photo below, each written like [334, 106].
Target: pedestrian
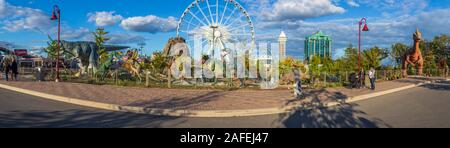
[298, 92]
[6, 67]
[372, 78]
[1, 67]
[364, 78]
[353, 78]
[14, 69]
[40, 74]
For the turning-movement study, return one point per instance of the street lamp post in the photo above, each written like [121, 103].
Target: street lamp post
[56, 15]
[365, 28]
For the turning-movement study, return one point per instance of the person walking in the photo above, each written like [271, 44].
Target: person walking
[6, 68]
[372, 78]
[298, 92]
[14, 69]
[1, 67]
[361, 79]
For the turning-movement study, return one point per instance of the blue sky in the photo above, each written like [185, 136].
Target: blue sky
[25, 23]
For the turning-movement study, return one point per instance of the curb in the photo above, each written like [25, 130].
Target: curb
[194, 113]
[441, 84]
[377, 94]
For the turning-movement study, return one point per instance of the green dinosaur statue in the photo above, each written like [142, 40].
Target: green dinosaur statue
[85, 52]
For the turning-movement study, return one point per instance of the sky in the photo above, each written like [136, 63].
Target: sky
[26, 23]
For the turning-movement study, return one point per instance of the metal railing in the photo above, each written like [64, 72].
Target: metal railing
[341, 78]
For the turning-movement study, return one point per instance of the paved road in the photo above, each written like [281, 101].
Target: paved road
[426, 106]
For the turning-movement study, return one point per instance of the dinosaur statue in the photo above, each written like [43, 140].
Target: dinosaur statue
[175, 46]
[86, 53]
[113, 59]
[413, 56]
[132, 63]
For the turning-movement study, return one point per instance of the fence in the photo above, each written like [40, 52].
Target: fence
[342, 78]
[123, 78]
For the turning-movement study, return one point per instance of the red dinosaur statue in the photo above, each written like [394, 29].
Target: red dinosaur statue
[413, 56]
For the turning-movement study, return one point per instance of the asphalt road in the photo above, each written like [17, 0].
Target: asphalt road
[426, 106]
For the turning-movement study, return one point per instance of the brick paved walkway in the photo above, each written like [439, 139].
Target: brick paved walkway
[198, 99]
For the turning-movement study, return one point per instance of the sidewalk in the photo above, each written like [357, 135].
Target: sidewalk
[201, 100]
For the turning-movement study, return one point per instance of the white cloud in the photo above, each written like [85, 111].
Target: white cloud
[36, 21]
[383, 31]
[124, 38]
[150, 24]
[75, 34]
[104, 18]
[352, 3]
[16, 18]
[396, 22]
[281, 10]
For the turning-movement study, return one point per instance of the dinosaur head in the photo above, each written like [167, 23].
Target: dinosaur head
[174, 45]
[417, 36]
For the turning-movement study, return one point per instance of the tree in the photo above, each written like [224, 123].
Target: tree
[52, 47]
[374, 56]
[158, 63]
[429, 55]
[351, 58]
[100, 39]
[328, 65]
[288, 64]
[398, 50]
[315, 66]
[338, 65]
[439, 45]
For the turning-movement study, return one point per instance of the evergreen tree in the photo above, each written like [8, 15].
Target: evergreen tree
[100, 39]
[398, 50]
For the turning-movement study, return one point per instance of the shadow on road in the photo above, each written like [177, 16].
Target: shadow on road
[82, 119]
[315, 114]
[437, 86]
[342, 116]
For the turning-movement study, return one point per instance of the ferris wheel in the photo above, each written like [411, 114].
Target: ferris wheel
[219, 23]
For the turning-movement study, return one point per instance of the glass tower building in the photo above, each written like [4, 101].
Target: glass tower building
[318, 44]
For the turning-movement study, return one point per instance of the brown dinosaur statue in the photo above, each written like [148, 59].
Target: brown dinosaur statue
[413, 56]
[132, 64]
[174, 47]
[171, 50]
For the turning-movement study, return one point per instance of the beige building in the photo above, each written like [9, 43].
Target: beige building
[282, 39]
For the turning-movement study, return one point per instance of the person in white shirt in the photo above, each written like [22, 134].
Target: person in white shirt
[372, 78]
